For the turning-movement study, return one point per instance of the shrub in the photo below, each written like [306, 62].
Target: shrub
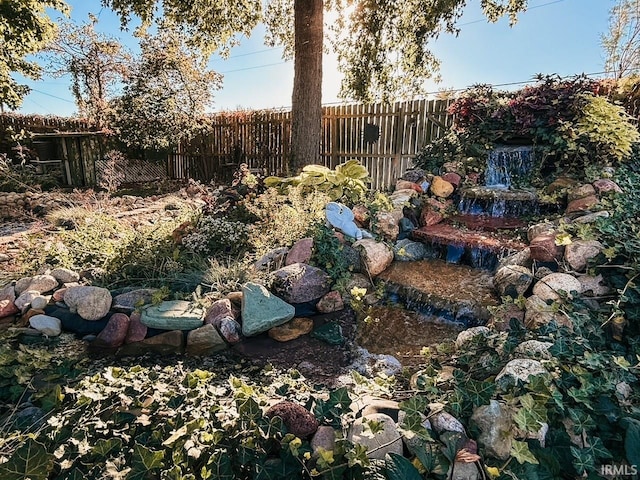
[217, 236]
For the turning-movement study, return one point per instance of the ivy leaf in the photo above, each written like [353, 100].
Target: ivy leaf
[31, 461]
[219, 467]
[597, 449]
[582, 422]
[399, 468]
[531, 415]
[340, 397]
[632, 439]
[104, 447]
[583, 460]
[479, 392]
[249, 408]
[415, 405]
[144, 461]
[74, 474]
[520, 451]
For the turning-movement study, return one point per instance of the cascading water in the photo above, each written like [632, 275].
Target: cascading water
[506, 165]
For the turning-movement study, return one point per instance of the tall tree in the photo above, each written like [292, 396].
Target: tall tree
[166, 93]
[97, 64]
[383, 45]
[25, 28]
[622, 43]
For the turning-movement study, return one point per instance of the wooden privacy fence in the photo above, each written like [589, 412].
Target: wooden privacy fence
[384, 137]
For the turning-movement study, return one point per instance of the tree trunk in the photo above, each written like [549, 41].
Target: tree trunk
[306, 112]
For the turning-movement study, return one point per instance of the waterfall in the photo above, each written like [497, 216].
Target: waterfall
[507, 166]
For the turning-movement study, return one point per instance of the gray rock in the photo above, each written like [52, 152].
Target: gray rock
[464, 471]
[399, 198]
[581, 191]
[324, 438]
[386, 224]
[465, 336]
[513, 280]
[25, 299]
[271, 260]
[39, 302]
[205, 340]
[49, 326]
[406, 250]
[217, 311]
[548, 288]
[230, 330]
[591, 217]
[262, 310]
[593, 286]
[376, 256]
[522, 258]
[173, 315]
[534, 349]
[65, 275]
[578, 253]
[519, 370]
[538, 314]
[494, 423]
[129, 301]
[445, 422]
[300, 283]
[331, 302]
[389, 436]
[91, 303]
[540, 229]
[38, 283]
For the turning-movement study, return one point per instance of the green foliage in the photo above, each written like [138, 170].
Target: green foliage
[25, 28]
[165, 94]
[217, 236]
[328, 253]
[282, 218]
[347, 183]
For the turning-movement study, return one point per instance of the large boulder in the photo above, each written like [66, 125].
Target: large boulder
[519, 370]
[173, 315]
[300, 283]
[38, 283]
[549, 287]
[376, 256]
[578, 253]
[91, 303]
[262, 310]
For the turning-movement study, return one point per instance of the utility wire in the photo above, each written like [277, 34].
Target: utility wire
[529, 8]
[53, 96]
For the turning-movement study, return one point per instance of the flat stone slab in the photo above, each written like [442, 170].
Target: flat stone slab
[173, 315]
[457, 292]
[262, 310]
[445, 234]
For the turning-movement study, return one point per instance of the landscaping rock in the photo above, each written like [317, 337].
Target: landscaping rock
[578, 253]
[453, 178]
[65, 275]
[376, 256]
[534, 349]
[591, 217]
[463, 471]
[386, 225]
[406, 185]
[25, 299]
[300, 252]
[272, 260]
[331, 302]
[400, 198]
[582, 204]
[24, 319]
[230, 330]
[441, 188]
[543, 248]
[518, 370]
[49, 326]
[39, 302]
[351, 258]
[72, 322]
[469, 334]
[38, 283]
[217, 311]
[605, 185]
[445, 422]
[548, 288]
[166, 343]
[173, 315]
[291, 330]
[115, 333]
[7, 299]
[494, 423]
[91, 303]
[409, 251]
[58, 295]
[593, 286]
[501, 317]
[330, 333]
[262, 310]
[298, 420]
[521, 258]
[361, 215]
[323, 439]
[513, 280]
[538, 314]
[414, 175]
[540, 229]
[137, 330]
[205, 340]
[300, 283]
[388, 440]
[129, 301]
[581, 191]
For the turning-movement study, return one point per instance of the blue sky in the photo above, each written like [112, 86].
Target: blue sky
[552, 37]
